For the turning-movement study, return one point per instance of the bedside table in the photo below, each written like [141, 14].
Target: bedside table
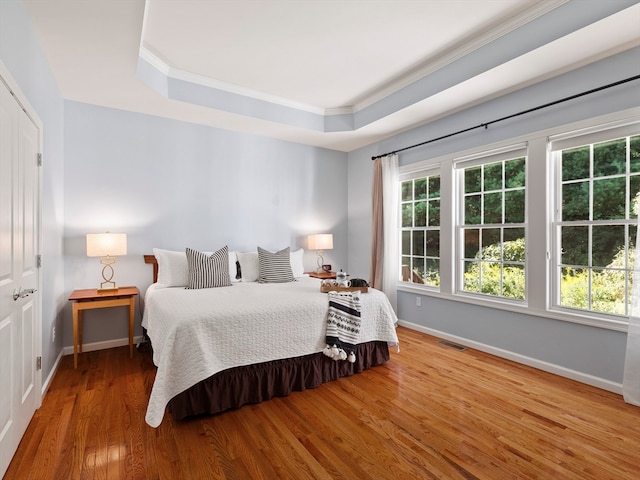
[89, 299]
[322, 275]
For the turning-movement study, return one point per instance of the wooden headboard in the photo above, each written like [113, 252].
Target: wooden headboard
[153, 261]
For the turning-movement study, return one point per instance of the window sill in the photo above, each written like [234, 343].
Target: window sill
[521, 308]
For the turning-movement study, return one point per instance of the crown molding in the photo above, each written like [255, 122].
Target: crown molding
[454, 53]
[163, 67]
[405, 79]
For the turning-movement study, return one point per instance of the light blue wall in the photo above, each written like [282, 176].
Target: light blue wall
[22, 54]
[590, 351]
[171, 184]
[168, 184]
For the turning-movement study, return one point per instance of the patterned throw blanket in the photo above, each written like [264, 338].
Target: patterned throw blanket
[343, 325]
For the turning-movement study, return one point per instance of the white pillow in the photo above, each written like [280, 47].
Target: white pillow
[248, 266]
[173, 270]
[297, 266]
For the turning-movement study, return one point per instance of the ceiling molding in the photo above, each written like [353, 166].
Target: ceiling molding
[405, 79]
[468, 46]
[446, 66]
[163, 67]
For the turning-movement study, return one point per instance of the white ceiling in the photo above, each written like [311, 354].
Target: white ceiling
[253, 65]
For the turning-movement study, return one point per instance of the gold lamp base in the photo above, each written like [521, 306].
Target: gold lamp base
[107, 289]
[107, 275]
[320, 261]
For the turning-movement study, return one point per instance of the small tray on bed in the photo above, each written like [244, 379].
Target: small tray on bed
[332, 288]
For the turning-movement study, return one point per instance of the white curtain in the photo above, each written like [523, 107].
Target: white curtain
[391, 261]
[631, 379]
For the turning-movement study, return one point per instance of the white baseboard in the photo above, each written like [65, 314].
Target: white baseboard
[47, 382]
[518, 358]
[91, 347]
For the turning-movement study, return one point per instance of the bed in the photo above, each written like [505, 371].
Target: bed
[217, 349]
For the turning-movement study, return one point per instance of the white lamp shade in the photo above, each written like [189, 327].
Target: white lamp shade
[106, 244]
[321, 241]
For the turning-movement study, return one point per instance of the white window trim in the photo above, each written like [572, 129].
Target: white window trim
[431, 170]
[557, 143]
[539, 185]
[490, 156]
[483, 157]
[595, 134]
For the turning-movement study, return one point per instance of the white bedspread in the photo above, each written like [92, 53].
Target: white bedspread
[197, 333]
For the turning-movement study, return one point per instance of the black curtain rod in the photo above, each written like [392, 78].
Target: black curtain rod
[539, 107]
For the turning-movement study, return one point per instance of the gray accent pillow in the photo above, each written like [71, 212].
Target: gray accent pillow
[274, 267]
[208, 271]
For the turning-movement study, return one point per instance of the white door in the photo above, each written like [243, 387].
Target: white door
[19, 273]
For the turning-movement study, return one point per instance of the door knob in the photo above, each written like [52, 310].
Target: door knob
[22, 292]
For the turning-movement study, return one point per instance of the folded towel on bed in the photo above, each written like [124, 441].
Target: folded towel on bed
[343, 325]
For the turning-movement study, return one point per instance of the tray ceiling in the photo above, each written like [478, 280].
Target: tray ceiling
[334, 74]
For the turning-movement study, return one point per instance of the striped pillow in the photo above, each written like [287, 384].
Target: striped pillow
[274, 267]
[208, 271]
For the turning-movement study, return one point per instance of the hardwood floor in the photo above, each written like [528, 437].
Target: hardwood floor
[430, 412]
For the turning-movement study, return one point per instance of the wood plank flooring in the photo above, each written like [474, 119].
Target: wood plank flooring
[430, 412]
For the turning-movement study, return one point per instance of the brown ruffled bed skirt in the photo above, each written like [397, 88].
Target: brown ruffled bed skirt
[256, 383]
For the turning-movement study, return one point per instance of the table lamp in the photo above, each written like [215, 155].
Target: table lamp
[107, 246]
[320, 242]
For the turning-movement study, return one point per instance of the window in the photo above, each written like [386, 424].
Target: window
[420, 231]
[492, 225]
[542, 224]
[597, 187]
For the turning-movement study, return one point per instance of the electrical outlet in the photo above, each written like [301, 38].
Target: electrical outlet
[53, 334]
[418, 301]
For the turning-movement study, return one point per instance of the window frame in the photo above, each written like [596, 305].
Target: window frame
[568, 141]
[460, 164]
[540, 181]
[430, 171]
